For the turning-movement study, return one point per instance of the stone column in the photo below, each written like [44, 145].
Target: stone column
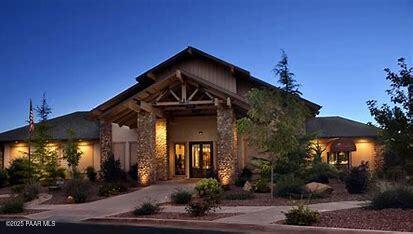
[161, 150]
[226, 145]
[146, 147]
[105, 137]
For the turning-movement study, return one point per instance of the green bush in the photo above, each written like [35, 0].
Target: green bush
[31, 191]
[12, 205]
[111, 170]
[79, 189]
[147, 208]
[358, 179]
[181, 196]
[261, 185]
[301, 215]
[289, 185]
[18, 172]
[320, 173]
[239, 196]
[243, 177]
[91, 173]
[393, 197]
[199, 207]
[111, 189]
[3, 178]
[209, 188]
[18, 188]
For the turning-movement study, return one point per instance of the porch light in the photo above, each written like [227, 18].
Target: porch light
[200, 132]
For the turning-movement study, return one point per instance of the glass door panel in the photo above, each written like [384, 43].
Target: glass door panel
[179, 159]
[201, 159]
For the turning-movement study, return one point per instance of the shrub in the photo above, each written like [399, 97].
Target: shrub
[245, 175]
[301, 215]
[79, 189]
[91, 173]
[12, 205]
[3, 178]
[181, 196]
[209, 188]
[239, 196]
[31, 191]
[133, 172]
[18, 171]
[393, 197]
[111, 170]
[320, 173]
[147, 208]
[289, 185]
[358, 179]
[110, 189]
[199, 207]
[261, 185]
[18, 188]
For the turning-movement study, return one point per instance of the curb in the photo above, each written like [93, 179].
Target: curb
[246, 228]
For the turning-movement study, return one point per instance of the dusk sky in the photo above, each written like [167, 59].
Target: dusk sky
[82, 53]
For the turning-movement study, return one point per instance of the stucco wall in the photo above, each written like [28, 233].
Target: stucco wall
[186, 129]
[90, 156]
[123, 139]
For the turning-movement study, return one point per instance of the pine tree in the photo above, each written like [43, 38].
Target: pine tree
[44, 156]
[71, 152]
[285, 76]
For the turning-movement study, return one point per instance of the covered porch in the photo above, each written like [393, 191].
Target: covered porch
[186, 127]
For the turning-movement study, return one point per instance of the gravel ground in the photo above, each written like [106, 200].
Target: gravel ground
[264, 199]
[184, 216]
[363, 218]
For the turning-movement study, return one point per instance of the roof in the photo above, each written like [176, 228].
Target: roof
[335, 126]
[145, 79]
[78, 121]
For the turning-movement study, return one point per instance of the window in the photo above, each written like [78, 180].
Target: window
[179, 159]
[339, 159]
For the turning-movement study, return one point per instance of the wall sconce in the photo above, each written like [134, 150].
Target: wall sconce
[200, 132]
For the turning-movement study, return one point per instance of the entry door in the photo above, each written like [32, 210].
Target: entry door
[201, 155]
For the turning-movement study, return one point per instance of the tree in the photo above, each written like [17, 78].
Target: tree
[71, 152]
[396, 121]
[286, 77]
[44, 155]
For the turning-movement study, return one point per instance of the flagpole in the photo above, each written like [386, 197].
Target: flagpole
[30, 137]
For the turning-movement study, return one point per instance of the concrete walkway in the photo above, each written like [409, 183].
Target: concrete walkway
[110, 206]
[267, 214]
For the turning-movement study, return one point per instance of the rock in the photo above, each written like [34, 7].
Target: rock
[70, 199]
[247, 187]
[318, 188]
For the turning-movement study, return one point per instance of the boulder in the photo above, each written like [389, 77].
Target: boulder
[318, 188]
[247, 187]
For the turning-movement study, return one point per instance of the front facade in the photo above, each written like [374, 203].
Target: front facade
[179, 120]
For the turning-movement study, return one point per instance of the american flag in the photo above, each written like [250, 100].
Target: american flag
[31, 118]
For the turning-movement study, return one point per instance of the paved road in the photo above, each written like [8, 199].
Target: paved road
[89, 228]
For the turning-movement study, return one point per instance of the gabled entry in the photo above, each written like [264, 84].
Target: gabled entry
[200, 159]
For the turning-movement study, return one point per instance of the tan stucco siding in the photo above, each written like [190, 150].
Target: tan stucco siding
[365, 151]
[123, 139]
[187, 129]
[90, 153]
[211, 72]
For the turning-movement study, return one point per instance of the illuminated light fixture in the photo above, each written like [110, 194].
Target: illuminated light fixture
[200, 132]
[16, 142]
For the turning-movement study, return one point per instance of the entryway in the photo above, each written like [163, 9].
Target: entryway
[200, 159]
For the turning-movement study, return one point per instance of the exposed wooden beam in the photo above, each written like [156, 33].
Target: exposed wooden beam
[228, 101]
[151, 75]
[174, 94]
[216, 102]
[149, 108]
[201, 102]
[134, 106]
[183, 92]
[209, 95]
[193, 94]
[160, 96]
[179, 75]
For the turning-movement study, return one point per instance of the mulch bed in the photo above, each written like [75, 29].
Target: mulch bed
[59, 197]
[265, 199]
[363, 218]
[182, 216]
[5, 190]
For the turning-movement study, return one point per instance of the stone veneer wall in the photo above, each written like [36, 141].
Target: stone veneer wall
[105, 136]
[146, 147]
[161, 150]
[226, 145]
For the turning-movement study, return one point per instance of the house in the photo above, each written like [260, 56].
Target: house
[179, 120]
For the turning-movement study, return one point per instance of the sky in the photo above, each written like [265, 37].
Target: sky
[83, 52]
